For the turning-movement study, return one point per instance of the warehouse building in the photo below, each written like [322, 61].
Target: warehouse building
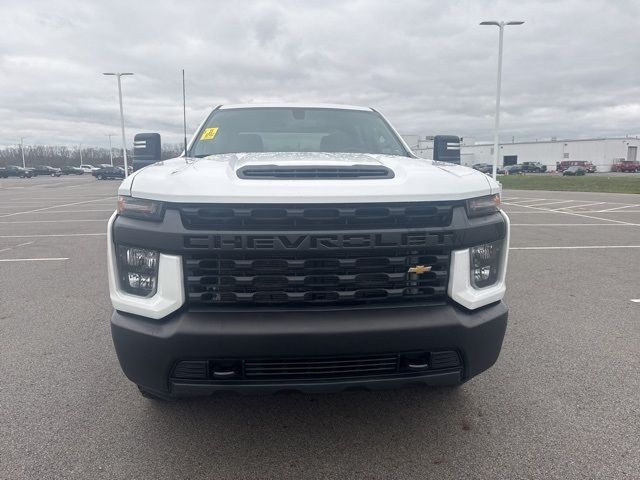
[602, 152]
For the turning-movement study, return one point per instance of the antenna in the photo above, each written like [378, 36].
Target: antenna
[184, 115]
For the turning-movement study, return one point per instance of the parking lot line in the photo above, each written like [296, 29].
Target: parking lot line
[553, 211]
[15, 246]
[54, 221]
[575, 247]
[82, 211]
[583, 205]
[635, 300]
[550, 203]
[619, 208]
[531, 200]
[36, 199]
[53, 259]
[509, 200]
[571, 224]
[51, 207]
[55, 235]
[21, 206]
[30, 196]
[547, 210]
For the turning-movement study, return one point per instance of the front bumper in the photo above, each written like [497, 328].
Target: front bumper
[149, 349]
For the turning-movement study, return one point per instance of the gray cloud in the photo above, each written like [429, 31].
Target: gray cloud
[573, 69]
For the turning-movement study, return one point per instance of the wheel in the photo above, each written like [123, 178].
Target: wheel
[53, 174]
[100, 177]
[148, 395]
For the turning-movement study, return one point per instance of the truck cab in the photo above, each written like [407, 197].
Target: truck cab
[625, 166]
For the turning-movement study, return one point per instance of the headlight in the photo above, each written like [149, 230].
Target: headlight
[483, 205]
[485, 264]
[138, 270]
[140, 208]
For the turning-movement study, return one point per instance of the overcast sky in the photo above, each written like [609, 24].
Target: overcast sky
[572, 70]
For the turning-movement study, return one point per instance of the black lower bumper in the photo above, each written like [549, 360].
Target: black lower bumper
[148, 350]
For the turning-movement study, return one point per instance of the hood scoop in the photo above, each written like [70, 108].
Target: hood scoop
[313, 172]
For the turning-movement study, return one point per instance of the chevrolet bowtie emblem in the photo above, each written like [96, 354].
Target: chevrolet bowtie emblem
[419, 269]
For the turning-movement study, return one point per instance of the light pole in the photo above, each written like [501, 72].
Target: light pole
[501, 26]
[124, 142]
[24, 165]
[110, 148]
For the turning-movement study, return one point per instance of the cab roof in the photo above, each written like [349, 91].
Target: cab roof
[294, 105]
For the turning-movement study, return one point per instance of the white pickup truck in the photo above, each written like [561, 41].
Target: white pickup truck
[305, 248]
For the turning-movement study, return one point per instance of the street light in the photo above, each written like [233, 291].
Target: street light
[501, 26]
[124, 143]
[22, 151]
[110, 148]
[80, 152]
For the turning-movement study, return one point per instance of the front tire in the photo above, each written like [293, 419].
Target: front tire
[99, 177]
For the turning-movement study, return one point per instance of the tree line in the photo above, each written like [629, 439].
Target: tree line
[59, 156]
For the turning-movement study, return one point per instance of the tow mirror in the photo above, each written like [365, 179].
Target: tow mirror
[446, 148]
[147, 149]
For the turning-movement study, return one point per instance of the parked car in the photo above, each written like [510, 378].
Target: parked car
[15, 171]
[88, 168]
[533, 167]
[46, 170]
[588, 166]
[71, 170]
[108, 172]
[576, 171]
[512, 169]
[483, 167]
[627, 166]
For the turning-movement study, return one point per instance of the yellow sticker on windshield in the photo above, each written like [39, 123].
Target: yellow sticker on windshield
[209, 133]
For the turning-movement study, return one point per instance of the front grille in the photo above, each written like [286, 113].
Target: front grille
[349, 172]
[283, 278]
[238, 217]
[267, 369]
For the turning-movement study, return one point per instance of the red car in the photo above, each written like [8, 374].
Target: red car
[562, 166]
[627, 166]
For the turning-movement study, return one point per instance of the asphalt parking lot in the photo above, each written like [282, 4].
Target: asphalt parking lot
[562, 401]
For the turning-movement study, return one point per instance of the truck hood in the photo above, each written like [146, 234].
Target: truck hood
[214, 179]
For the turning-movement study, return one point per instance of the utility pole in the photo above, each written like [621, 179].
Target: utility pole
[80, 151]
[124, 142]
[22, 151]
[496, 133]
[110, 148]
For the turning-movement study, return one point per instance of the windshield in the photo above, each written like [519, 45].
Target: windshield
[295, 130]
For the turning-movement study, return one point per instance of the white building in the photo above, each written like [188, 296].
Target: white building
[602, 152]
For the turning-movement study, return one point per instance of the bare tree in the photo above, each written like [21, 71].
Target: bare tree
[61, 155]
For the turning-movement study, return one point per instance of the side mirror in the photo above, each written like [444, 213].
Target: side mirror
[147, 149]
[446, 148]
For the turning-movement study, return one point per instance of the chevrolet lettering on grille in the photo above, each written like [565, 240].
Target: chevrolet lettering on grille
[318, 242]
